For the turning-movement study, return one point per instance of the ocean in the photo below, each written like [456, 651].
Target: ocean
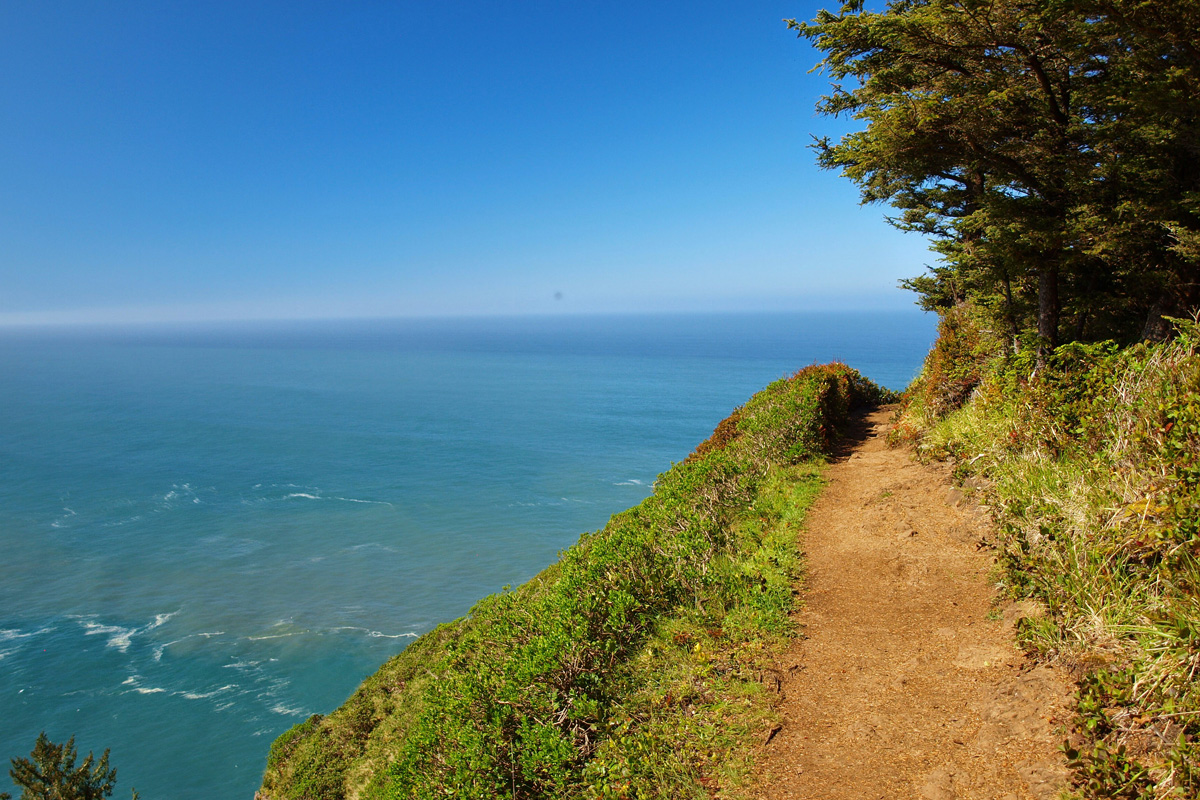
[210, 533]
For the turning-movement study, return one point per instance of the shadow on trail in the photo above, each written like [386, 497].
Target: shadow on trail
[857, 430]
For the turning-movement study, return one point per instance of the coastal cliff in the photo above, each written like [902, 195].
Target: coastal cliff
[631, 667]
[644, 663]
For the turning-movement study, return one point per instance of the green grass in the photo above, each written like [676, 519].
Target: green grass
[628, 669]
[1091, 464]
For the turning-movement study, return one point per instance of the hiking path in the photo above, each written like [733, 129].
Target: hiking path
[905, 681]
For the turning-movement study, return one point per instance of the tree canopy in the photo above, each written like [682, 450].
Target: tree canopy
[1051, 149]
[50, 774]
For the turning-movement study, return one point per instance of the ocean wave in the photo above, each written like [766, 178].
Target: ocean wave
[12, 634]
[278, 492]
[132, 682]
[182, 492]
[275, 636]
[206, 695]
[282, 627]
[120, 637]
[372, 634]
[630, 482]
[61, 521]
[309, 495]
[280, 708]
[158, 651]
[160, 620]
[367, 502]
[242, 665]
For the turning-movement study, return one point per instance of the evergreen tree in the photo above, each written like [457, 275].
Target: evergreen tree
[1051, 148]
[50, 774]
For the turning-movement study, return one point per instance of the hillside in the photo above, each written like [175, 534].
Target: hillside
[630, 668]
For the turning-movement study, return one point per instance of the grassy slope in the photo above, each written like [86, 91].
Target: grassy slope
[1091, 465]
[630, 668]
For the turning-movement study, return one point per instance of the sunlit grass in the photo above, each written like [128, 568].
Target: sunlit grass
[1091, 466]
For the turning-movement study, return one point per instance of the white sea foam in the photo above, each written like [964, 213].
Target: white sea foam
[310, 493]
[120, 637]
[371, 633]
[367, 502]
[62, 520]
[159, 620]
[180, 491]
[148, 690]
[241, 665]
[630, 482]
[158, 651]
[275, 636]
[206, 695]
[12, 634]
[280, 708]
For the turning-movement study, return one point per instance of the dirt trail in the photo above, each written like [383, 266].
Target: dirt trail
[906, 683]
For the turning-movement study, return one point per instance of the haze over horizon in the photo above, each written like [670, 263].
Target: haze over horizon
[282, 161]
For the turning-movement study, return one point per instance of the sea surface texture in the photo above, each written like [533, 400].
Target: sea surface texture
[209, 534]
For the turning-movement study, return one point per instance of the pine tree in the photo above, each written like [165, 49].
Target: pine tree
[50, 774]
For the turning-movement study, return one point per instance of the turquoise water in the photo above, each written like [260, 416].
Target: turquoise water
[210, 533]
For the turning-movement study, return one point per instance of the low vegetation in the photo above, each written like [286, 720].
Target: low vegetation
[1091, 465]
[632, 668]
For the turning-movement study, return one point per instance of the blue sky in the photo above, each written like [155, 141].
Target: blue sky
[242, 160]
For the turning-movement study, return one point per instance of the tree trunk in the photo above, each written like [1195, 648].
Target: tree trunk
[1047, 321]
[1010, 308]
[1156, 328]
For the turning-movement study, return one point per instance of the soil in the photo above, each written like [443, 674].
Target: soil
[906, 682]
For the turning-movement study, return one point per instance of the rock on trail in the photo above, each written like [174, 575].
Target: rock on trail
[906, 682]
